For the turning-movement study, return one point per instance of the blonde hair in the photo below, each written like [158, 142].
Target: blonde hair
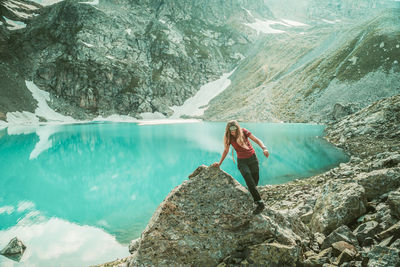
[239, 138]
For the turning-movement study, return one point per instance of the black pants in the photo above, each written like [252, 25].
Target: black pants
[249, 169]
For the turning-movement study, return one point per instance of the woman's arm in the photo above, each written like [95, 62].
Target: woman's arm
[226, 150]
[260, 143]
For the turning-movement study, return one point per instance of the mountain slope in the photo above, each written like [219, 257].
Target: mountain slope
[350, 69]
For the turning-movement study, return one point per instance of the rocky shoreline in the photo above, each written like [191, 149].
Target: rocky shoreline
[348, 216]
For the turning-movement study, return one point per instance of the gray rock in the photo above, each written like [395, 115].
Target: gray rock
[14, 249]
[209, 217]
[394, 230]
[394, 202]
[134, 245]
[338, 205]
[340, 246]
[379, 182]
[368, 229]
[273, 254]
[342, 233]
[383, 257]
[346, 256]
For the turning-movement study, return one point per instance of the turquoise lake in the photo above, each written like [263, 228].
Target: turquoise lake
[77, 194]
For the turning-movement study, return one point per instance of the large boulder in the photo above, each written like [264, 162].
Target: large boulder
[383, 257]
[378, 182]
[338, 204]
[14, 249]
[273, 254]
[394, 202]
[207, 218]
[343, 233]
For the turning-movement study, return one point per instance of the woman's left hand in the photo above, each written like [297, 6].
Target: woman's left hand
[266, 153]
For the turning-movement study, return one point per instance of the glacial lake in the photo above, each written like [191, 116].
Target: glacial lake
[77, 194]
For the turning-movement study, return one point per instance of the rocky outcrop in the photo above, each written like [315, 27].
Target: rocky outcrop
[14, 249]
[208, 220]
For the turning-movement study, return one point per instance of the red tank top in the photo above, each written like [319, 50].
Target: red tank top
[243, 153]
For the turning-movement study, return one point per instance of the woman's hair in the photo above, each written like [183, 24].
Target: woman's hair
[239, 138]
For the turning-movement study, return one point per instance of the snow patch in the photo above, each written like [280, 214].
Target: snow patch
[264, 26]
[294, 23]
[331, 21]
[195, 106]
[23, 117]
[43, 110]
[87, 44]
[95, 2]
[152, 116]
[15, 25]
[116, 118]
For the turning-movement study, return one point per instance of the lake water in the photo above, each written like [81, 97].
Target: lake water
[77, 194]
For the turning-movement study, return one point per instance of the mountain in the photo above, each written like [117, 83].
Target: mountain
[129, 57]
[316, 75]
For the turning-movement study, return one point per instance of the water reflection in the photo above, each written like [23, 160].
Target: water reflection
[56, 242]
[113, 175]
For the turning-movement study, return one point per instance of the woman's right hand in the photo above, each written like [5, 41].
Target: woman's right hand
[215, 164]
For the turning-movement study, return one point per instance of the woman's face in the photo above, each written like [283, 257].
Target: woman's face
[233, 130]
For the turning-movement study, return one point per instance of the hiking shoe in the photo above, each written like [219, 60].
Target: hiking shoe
[260, 208]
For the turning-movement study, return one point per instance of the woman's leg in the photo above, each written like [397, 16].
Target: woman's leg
[255, 171]
[246, 173]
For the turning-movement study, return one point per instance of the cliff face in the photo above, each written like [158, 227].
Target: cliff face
[130, 57]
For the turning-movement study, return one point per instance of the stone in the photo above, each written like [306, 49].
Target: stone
[273, 254]
[338, 204]
[392, 231]
[340, 246]
[394, 202]
[14, 249]
[209, 218]
[134, 245]
[368, 229]
[383, 257]
[379, 182]
[396, 244]
[342, 233]
[319, 238]
[346, 256]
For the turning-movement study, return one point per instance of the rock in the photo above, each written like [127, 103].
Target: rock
[273, 254]
[383, 257]
[318, 260]
[342, 233]
[340, 111]
[394, 202]
[340, 246]
[319, 238]
[392, 231]
[368, 229]
[134, 245]
[379, 182]
[14, 249]
[346, 256]
[208, 218]
[338, 205]
[369, 241]
[396, 244]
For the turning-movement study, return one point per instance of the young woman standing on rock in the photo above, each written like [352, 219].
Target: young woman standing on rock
[246, 156]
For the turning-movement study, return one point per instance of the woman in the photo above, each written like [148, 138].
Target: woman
[247, 159]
